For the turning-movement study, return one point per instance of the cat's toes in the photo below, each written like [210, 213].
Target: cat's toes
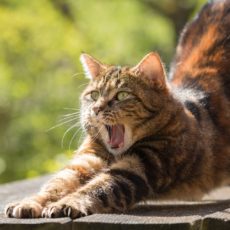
[59, 209]
[24, 209]
[9, 209]
[53, 211]
[74, 212]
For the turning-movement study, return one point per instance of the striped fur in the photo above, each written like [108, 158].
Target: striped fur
[176, 140]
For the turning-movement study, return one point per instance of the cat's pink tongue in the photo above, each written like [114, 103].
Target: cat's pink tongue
[117, 136]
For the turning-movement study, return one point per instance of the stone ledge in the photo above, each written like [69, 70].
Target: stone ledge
[211, 213]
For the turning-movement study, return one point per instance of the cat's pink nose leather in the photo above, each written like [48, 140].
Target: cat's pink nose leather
[97, 109]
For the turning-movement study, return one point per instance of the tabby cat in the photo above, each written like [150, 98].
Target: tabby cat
[149, 137]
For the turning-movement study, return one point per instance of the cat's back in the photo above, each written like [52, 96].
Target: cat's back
[202, 63]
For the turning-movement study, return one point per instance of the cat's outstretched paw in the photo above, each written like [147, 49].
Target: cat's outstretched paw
[67, 208]
[24, 209]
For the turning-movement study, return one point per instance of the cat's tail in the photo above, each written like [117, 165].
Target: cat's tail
[202, 63]
[203, 52]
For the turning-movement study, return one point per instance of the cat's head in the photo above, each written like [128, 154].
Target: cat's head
[121, 105]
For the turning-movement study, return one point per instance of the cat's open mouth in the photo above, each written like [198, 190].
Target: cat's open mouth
[116, 135]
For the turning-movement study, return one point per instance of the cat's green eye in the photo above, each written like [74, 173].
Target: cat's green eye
[122, 95]
[95, 95]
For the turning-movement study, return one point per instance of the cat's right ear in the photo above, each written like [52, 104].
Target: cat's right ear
[91, 66]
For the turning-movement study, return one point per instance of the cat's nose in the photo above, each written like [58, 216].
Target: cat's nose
[97, 109]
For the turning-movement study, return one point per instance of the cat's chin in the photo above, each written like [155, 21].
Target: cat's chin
[117, 151]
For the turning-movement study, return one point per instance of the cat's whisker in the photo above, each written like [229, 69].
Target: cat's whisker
[64, 117]
[67, 131]
[62, 123]
[98, 133]
[81, 138]
[74, 135]
[71, 109]
[77, 74]
[70, 115]
[82, 85]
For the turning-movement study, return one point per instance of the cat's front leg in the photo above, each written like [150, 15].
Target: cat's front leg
[115, 190]
[62, 184]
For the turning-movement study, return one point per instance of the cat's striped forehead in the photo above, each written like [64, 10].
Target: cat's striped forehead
[115, 77]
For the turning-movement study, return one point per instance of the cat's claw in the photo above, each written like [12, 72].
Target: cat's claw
[24, 209]
[9, 210]
[73, 213]
[67, 211]
[52, 212]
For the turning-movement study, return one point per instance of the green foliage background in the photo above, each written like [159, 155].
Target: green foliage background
[40, 74]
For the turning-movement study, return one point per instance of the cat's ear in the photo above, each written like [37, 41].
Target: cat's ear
[151, 68]
[91, 66]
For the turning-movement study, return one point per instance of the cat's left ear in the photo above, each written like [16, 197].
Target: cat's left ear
[91, 66]
[151, 68]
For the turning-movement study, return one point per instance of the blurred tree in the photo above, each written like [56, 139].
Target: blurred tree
[178, 11]
[64, 7]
